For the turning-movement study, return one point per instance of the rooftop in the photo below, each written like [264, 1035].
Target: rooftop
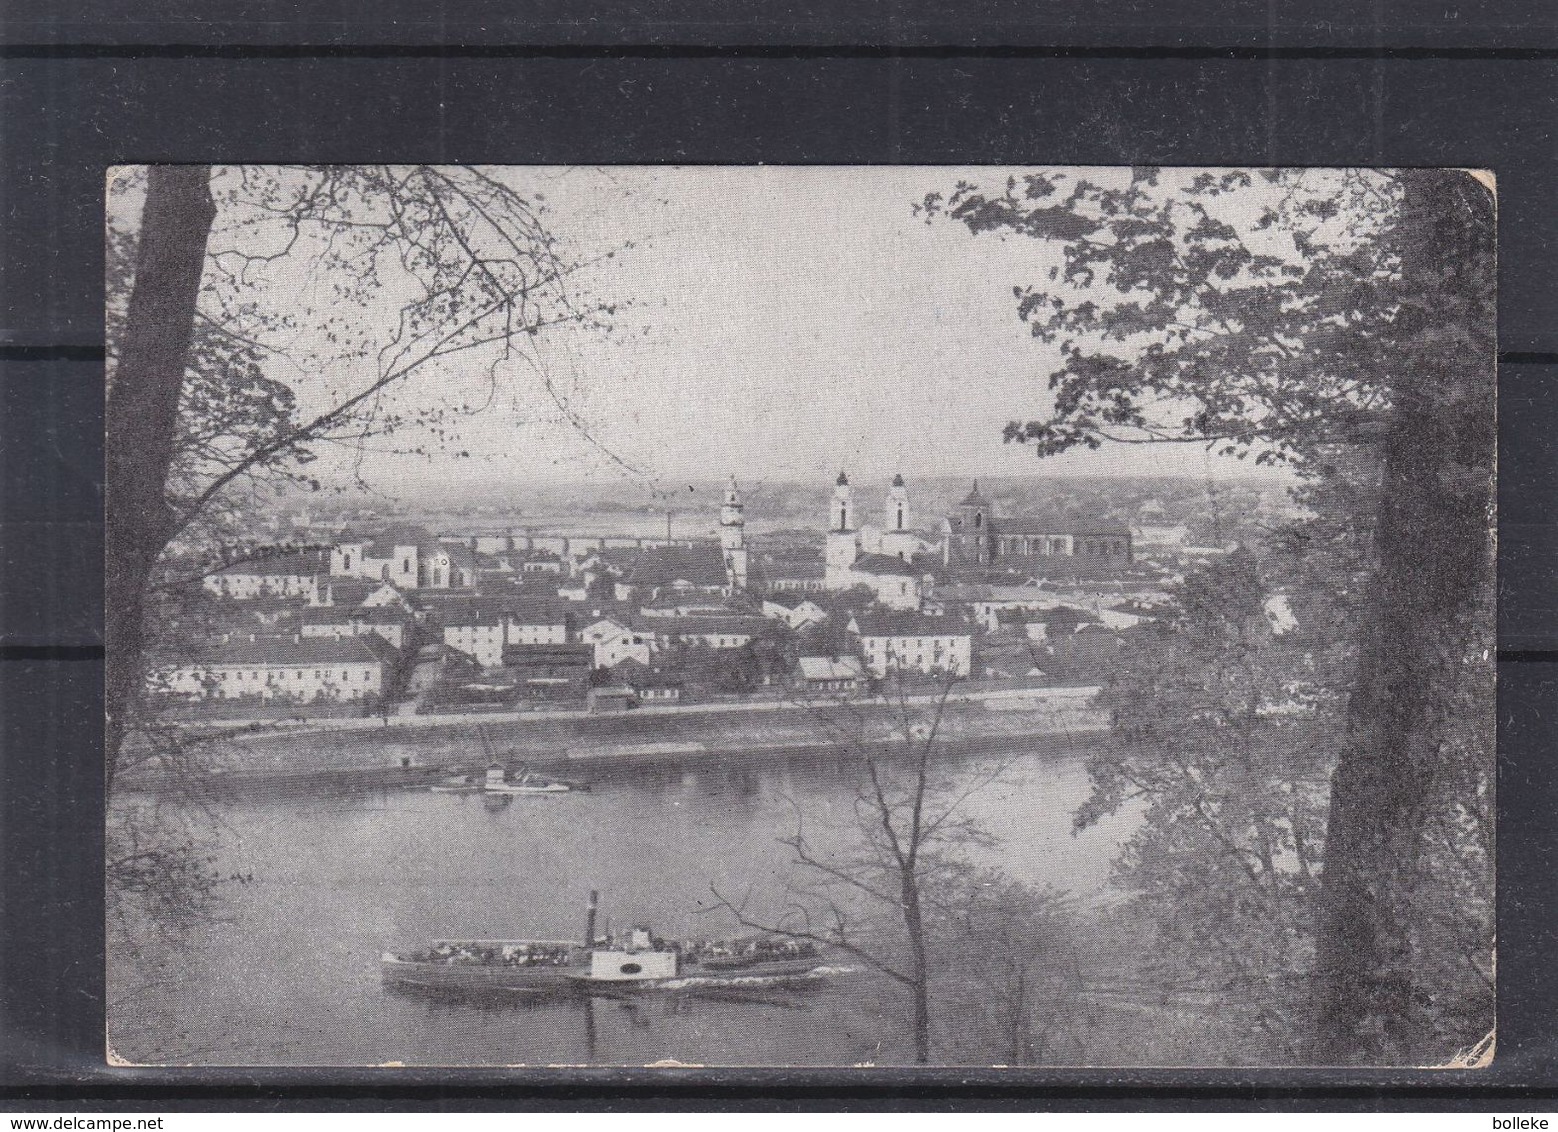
[540, 611]
[795, 568]
[974, 499]
[701, 565]
[292, 652]
[351, 591]
[909, 625]
[471, 611]
[884, 564]
[831, 668]
[696, 625]
[460, 555]
[387, 541]
[296, 563]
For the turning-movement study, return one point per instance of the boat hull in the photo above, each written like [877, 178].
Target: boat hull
[477, 978]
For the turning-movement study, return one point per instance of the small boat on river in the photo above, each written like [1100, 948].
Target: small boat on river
[496, 781]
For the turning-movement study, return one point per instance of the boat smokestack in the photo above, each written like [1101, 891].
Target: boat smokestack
[589, 919]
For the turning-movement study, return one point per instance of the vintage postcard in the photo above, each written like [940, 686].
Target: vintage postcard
[800, 616]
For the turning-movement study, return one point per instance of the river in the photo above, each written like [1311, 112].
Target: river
[287, 974]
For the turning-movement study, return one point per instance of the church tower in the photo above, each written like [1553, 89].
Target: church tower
[896, 517]
[898, 539]
[843, 506]
[843, 544]
[732, 537]
[968, 532]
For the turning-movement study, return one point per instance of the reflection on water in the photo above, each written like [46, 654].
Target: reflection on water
[289, 974]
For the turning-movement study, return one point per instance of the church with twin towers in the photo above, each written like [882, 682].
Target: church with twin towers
[897, 560]
[880, 557]
[974, 542]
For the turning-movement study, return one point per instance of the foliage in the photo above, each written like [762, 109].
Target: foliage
[1176, 320]
[1010, 987]
[828, 637]
[1218, 740]
[1341, 322]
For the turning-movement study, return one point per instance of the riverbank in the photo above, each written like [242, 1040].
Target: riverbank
[583, 771]
[244, 729]
[578, 745]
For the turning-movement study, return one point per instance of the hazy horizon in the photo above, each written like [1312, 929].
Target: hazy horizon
[774, 323]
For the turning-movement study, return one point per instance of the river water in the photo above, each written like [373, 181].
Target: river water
[288, 973]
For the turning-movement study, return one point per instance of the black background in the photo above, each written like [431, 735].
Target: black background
[1176, 82]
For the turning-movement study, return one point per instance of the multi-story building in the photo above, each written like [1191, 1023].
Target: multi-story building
[294, 670]
[483, 628]
[897, 642]
[334, 623]
[732, 632]
[290, 574]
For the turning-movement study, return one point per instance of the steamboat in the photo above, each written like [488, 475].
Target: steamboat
[634, 959]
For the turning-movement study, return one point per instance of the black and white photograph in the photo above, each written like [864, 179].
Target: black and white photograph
[800, 616]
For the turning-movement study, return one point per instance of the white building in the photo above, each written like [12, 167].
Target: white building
[897, 536]
[291, 574]
[334, 623]
[842, 544]
[831, 674]
[803, 613]
[482, 629]
[615, 642]
[896, 584]
[914, 643]
[407, 556]
[731, 632]
[301, 671]
[351, 593]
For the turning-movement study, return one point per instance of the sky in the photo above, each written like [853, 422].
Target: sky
[774, 323]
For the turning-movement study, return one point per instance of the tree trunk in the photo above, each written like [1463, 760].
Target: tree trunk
[1434, 556]
[914, 925]
[142, 421]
